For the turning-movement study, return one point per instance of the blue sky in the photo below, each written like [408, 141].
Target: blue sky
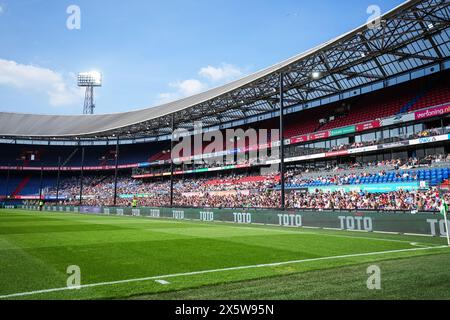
[152, 51]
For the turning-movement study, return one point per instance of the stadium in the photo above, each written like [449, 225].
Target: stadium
[334, 161]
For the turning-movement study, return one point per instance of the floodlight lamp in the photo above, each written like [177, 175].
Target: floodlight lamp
[90, 79]
[315, 75]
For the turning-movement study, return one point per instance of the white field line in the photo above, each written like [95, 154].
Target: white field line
[416, 244]
[387, 232]
[276, 264]
[418, 234]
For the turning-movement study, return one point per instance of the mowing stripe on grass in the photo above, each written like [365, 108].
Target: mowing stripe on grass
[270, 228]
[275, 264]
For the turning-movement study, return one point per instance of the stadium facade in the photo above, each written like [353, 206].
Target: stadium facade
[379, 94]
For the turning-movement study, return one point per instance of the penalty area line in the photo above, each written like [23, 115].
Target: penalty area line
[193, 273]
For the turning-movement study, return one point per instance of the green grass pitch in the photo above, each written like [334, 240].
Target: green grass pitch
[122, 257]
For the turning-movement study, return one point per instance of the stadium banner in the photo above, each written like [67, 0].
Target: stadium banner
[432, 139]
[432, 112]
[392, 145]
[51, 197]
[423, 223]
[368, 125]
[397, 119]
[371, 188]
[148, 164]
[363, 149]
[342, 131]
[91, 168]
[336, 153]
[142, 195]
[300, 158]
[319, 135]
[299, 139]
[20, 197]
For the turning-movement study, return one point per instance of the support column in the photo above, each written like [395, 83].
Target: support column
[81, 177]
[283, 195]
[57, 179]
[116, 171]
[171, 160]
[7, 184]
[40, 182]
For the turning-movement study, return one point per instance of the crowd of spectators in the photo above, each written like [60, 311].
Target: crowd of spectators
[418, 200]
[344, 179]
[429, 133]
[354, 145]
[238, 191]
[423, 200]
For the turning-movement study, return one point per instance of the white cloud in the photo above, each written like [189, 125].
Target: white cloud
[166, 97]
[225, 72]
[212, 75]
[183, 89]
[40, 80]
[189, 87]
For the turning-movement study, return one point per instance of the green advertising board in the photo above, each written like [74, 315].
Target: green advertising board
[342, 131]
[369, 221]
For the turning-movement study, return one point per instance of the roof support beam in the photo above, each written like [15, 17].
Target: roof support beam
[429, 37]
[375, 59]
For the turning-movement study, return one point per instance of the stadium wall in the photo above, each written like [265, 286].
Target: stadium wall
[420, 223]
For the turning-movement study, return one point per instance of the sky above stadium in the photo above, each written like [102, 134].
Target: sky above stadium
[152, 52]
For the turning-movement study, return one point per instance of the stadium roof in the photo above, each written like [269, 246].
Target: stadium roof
[412, 35]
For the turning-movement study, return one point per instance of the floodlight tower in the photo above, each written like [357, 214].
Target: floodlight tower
[89, 80]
